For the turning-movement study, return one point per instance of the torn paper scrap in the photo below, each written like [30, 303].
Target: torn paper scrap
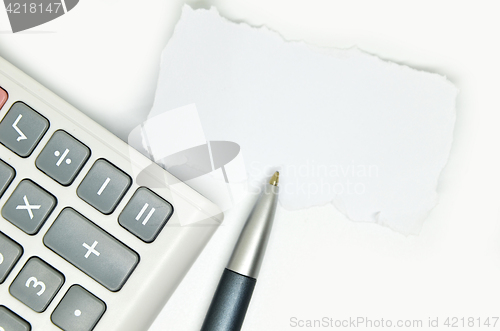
[342, 126]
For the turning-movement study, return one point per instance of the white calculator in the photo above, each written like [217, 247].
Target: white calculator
[93, 235]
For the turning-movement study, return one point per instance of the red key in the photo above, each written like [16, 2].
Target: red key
[3, 97]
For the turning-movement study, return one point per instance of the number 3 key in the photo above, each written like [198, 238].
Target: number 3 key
[36, 284]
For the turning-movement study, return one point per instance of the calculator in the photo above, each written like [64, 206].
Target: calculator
[93, 234]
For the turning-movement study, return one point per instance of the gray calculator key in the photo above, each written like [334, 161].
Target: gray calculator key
[29, 206]
[91, 249]
[7, 174]
[10, 321]
[79, 310]
[10, 252]
[63, 157]
[22, 128]
[145, 214]
[37, 284]
[104, 186]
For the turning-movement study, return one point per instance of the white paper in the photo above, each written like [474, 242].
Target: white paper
[342, 126]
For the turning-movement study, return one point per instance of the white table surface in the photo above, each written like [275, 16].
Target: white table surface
[103, 58]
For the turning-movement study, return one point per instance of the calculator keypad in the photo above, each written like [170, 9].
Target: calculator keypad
[9, 321]
[22, 128]
[36, 284]
[145, 214]
[72, 236]
[63, 157]
[10, 252]
[29, 206]
[7, 174]
[104, 186]
[91, 249]
[79, 310]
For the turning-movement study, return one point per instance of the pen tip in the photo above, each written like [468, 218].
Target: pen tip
[275, 179]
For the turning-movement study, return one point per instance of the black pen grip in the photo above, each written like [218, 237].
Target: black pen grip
[230, 302]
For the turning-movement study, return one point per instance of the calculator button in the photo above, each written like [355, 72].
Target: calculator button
[3, 97]
[37, 284]
[90, 249]
[10, 252]
[79, 310]
[10, 321]
[63, 157]
[29, 206]
[7, 174]
[145, 215]
[104, 186]
[22, 128]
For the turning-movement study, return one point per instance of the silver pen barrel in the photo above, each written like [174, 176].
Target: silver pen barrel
[234, 292]
[249, 251]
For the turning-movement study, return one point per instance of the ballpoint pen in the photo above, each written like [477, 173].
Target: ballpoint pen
[232, 296]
